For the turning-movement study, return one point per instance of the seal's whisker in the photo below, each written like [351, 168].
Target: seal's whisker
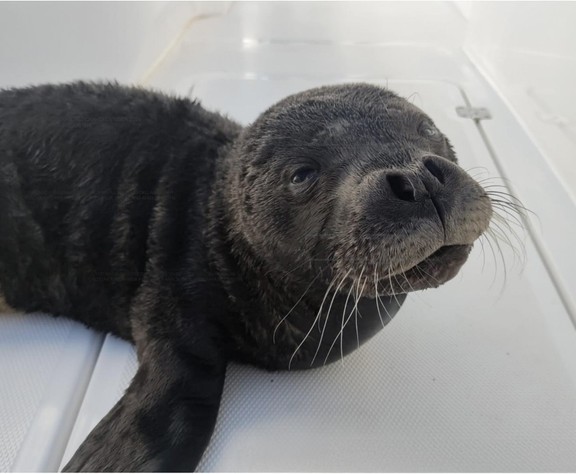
[489, 242]
[358, 295]
[483, 253]
[398, 284]
[473, 168]
[509, 225]
[377, 298]
[510, 210]
[345, 320]
[335, 293]
[413, 95]
[491, 182]
[408, 281]
[386, 311]
[494, 182]
[421, 270]
[380, 300]
[357, 313]
[392, 291]
[504, 187]
[328, 315]
[311, 326]
[519, 237]
[502, 199]
[490, 235]
[334, 278]
[499, 235]
[478, 171]
[417, 268]
[288, 272]
[501, 189]
[509, 200]
[353, 311]
[343, 316]
[508, 217]
[502, 231]
[292, 309]
[343, 323]
[390, 281]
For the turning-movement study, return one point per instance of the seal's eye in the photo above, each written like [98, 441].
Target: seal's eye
[428, 130]
[304, 175]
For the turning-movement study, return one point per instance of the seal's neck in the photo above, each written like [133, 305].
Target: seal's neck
[252, 286]
[259, 295]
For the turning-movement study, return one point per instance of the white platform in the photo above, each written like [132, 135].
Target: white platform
[479, 375]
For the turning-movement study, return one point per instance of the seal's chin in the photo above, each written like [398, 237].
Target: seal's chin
[433, 271]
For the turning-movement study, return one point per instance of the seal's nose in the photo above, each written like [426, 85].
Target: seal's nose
[433, 165]
[428, 182]
[402, 187]
[407, 186]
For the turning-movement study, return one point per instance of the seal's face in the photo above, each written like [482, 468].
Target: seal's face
[357, 187]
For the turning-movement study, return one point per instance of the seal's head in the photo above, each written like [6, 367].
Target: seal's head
[356, 188]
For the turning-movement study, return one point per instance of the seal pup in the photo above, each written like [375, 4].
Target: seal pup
[285, 244]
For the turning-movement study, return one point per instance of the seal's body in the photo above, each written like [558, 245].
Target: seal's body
[285, 244]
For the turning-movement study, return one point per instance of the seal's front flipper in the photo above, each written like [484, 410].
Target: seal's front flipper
[164, 420]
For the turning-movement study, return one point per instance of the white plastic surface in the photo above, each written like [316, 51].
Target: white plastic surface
[478, 375]
[525, 52]
[527, 49]
[45, 365]
[116, 366]
[63, 41]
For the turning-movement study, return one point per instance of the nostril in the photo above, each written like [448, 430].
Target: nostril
[401, 187]
[434, 170]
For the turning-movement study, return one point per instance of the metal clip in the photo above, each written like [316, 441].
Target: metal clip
[474, 113]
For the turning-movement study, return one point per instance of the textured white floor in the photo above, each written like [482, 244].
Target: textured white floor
[479, 375]
[45, 365]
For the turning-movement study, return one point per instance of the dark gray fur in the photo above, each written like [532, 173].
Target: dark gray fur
[202, 242]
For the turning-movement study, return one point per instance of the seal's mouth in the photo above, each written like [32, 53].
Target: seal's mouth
[436, 269]
[431, 272]
[447, 251]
